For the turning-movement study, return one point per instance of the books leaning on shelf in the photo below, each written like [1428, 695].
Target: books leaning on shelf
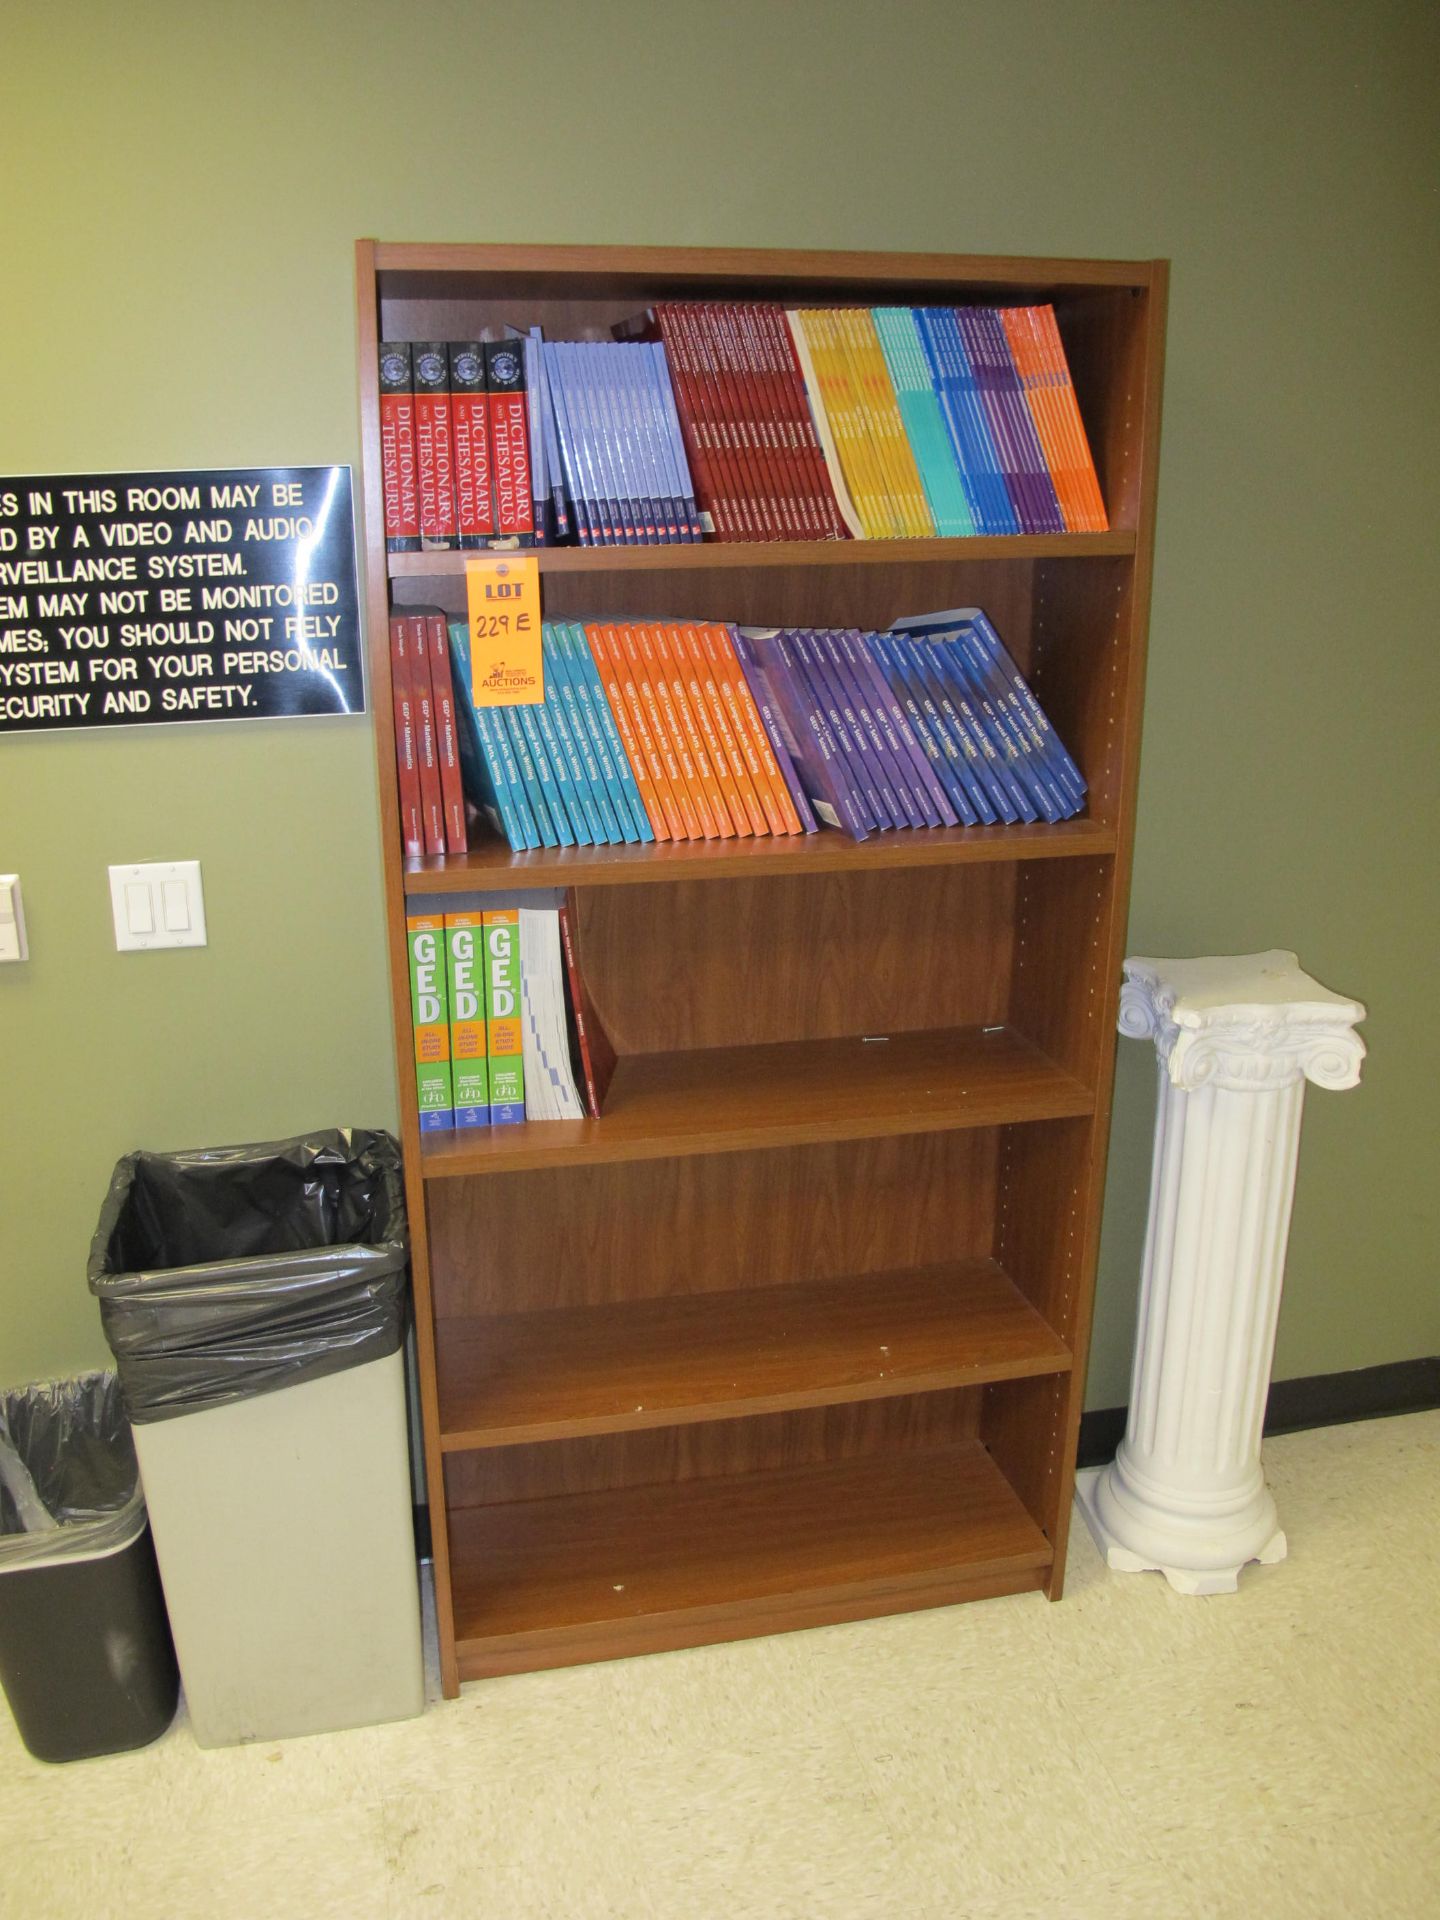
[678, 731]
[505, 1029]
[738, 422]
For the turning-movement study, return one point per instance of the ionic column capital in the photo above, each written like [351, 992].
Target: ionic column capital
[1247, 1023]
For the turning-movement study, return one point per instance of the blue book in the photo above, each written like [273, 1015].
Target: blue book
[980, 351]
[559, 505]
[889, 656]
[564, 750]
[1012, 745]
[640, 365]
[976, 752]
[1050, 773]
[1052, 796]
[625, 792]
[927, 795]
[1044, 734]
[574, 732]
[619, 444]
[580, 379]
[1011, 800]
[673, 434]
[487, 770]
[594, 742]
[575, 480]
[974, 448]
[575, 431]
[569, 803]
[545, 825]
[550, 789]
[824, 691]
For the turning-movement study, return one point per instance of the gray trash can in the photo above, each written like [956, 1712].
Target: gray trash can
[254, 1299]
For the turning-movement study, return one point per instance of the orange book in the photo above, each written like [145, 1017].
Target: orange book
[669, 733]
[1024, 344]
[664, 766]
[710, 798]
[769, 782]
[725, 755]
[611, 665]
[1063, 388]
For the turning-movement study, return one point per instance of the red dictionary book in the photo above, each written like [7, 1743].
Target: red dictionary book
[397, 448]
[447, 732]
[470, 426]
[434, 447]
[510, 441]
[407, 758]
[597, 1056]
[432, 812]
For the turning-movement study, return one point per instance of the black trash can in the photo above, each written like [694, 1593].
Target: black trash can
[85, 1653]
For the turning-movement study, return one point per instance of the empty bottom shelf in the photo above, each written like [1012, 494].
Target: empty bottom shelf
[550, 1583]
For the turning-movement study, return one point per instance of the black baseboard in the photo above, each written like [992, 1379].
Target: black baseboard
[424, 1545]
[1319, 1400]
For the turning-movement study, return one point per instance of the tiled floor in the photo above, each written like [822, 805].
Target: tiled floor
[1128, 1752]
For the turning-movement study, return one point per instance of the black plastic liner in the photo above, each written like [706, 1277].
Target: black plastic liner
[69, 1483]
[228, 1272]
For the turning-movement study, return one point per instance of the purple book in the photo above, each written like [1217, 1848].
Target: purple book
[1033, 464]
[982, 359]
[778, 681]
[828, 695]
[925, 784]
[875, 720]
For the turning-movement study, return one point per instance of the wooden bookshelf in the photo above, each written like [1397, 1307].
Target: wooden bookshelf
[795, 1331]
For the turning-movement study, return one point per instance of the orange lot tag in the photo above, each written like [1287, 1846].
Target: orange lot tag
[502, 592]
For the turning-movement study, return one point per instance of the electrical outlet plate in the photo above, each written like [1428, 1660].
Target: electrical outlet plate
[159, 905]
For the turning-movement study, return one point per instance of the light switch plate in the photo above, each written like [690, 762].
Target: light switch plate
[12, 919]
[159, 905]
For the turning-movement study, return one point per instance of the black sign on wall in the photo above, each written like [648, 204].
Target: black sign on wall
[131, 599]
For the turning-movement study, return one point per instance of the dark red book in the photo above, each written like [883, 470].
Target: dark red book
[434, 445]
[407, 757]
[447, 732]
[397, 448]
[510, 441]
[432, 812]
[694, 426]
[470, 427]
[597, 1056]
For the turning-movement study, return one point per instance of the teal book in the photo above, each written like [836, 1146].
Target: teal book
[924, 422]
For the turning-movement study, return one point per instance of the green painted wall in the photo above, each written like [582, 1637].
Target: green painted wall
[183, 185]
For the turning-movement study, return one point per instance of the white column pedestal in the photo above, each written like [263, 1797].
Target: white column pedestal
[1236, 1038]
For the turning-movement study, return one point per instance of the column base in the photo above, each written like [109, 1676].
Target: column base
[1091, 1489]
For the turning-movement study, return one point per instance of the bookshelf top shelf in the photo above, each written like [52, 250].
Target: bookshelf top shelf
[430, 270]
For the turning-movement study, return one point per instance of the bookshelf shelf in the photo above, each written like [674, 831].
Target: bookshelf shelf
[729, 1099]
[722, 556]
[508, 1378]
[796, 1330]
[492, 866]
[552, 1582]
